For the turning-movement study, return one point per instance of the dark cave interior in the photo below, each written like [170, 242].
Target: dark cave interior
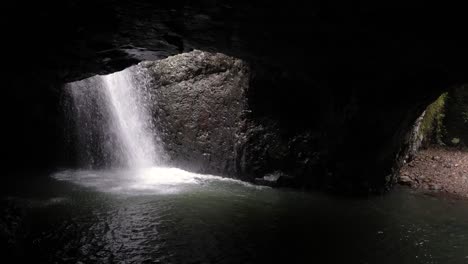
[322, 96]
[353, 76]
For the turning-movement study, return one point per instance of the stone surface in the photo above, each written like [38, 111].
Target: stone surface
[200, 103]
[206, 124]
[456, 117]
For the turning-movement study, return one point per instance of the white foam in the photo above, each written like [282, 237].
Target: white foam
[153, 180]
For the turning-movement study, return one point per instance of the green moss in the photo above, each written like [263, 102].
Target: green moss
[432, 126]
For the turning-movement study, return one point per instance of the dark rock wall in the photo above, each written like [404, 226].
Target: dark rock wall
[200, 104]
[209, 123]
[456, 117]
[32, 126]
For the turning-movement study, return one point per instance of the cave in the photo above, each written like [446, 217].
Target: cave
[231, 132]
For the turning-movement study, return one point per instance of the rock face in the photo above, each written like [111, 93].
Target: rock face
[205, 122]
[415, 139]
[200, 106]
[456, 118]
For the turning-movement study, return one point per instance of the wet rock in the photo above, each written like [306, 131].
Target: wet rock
[405, 180]
[199, 104]
[201, 108]
[270, 179]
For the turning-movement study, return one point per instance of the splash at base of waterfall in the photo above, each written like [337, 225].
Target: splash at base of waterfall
[146, 181]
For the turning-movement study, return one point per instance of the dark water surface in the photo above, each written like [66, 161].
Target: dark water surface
[89, 217]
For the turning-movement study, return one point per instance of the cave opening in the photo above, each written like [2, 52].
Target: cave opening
[438, 156]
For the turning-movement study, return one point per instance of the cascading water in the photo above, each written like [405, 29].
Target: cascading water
[130, 119]
[111, 117]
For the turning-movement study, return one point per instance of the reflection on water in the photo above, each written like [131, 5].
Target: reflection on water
[143, 181]
[139, 217]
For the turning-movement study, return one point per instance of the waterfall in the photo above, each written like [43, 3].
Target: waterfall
[113, 131]
[112, 122]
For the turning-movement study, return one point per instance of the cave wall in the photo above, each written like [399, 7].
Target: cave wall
[200, 109]
[445, 121]
[208, 121]
[456, 117]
